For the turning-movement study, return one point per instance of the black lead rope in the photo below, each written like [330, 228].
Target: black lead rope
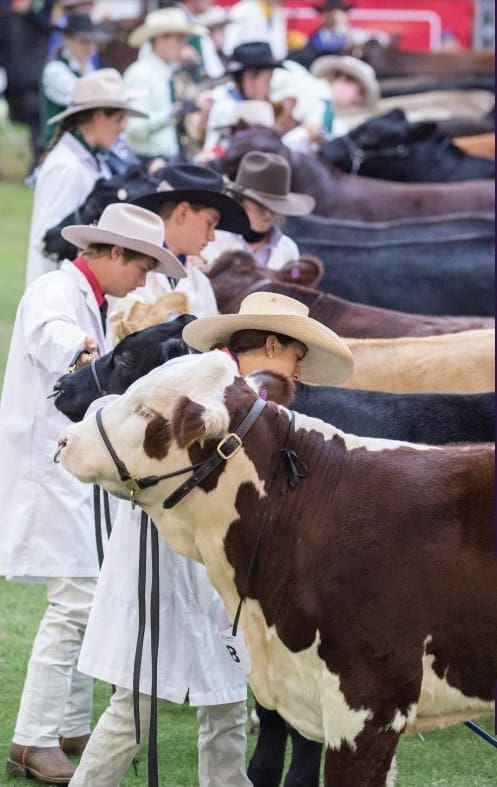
[142, 575]
[153, 770]
[98, 522]
[296, 470]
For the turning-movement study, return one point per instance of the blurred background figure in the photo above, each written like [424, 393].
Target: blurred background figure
[335, 33]
[74, 58]
[250, 67]
[257, 20]
[59, 19]
[353, 82]
[214, 59]
[25, 28]
[151, 80]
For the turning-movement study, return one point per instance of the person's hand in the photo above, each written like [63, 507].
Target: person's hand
[198, 261]
[89, 352]
[204, 100]
[189, 55]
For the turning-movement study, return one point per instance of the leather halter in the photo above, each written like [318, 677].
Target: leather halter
[227, 447]
[358, 155]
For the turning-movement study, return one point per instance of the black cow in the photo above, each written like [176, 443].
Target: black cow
[389, 147]
[134, 356]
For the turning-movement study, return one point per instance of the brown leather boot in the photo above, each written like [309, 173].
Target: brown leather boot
[47, 764]
[74, 747]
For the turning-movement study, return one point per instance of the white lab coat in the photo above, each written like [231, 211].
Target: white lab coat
[46, 521]
[192, 656]
[64, 180]
[285, 249]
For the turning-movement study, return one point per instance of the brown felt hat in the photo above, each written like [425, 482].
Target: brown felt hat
[265, 178]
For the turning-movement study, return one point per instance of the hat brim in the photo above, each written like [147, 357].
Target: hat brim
[236, 67]
[144, 33]
[98, 36]
[232, 216]
[328, 360]
[117, 105]
[292, 204]
[82, 235]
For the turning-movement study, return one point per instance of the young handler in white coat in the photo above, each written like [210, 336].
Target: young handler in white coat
[46, 523]
[262, 186]
[192, 658]
[74, 161]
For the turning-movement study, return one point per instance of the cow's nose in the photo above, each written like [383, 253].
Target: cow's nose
[61, 443]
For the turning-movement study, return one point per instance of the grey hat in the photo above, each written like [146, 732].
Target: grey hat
[100, 89]
[265, 178]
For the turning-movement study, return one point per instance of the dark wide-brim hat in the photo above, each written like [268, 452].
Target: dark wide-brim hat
[265, 178]
[253, 54]
[332, 5]
[197, 185]
[82, 26]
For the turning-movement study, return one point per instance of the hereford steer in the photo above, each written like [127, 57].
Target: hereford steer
[365, 566]
[458, 362]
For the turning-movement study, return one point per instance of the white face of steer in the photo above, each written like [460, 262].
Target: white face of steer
[202, 379]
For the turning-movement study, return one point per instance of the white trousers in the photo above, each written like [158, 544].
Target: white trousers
[112, 745]
[57, 699]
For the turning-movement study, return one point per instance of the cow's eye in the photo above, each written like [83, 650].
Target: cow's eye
[126, 359]
[140, 409]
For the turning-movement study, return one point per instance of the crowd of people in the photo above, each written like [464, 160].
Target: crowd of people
[199, 73]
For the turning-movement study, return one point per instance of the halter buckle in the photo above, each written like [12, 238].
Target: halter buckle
[224, 441]
[132, 487]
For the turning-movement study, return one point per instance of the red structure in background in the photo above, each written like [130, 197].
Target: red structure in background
[417, 24]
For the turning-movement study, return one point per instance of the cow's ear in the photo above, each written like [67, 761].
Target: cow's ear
[275, 386]
[187, 422]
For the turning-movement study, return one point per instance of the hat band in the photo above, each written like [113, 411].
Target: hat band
[263, 194]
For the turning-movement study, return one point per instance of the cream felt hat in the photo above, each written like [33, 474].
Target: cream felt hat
[165, 21]
[328, 360]
[323, 66]
[100, 89]
[134, 228]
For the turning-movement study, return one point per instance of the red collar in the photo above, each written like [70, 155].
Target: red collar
[82, 266]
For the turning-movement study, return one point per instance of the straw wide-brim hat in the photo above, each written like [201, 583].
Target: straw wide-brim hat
[265, 178]
[100, 89]
[134, 228]
[214, 16]
[164, 21]
[328, 360]
[323, 66]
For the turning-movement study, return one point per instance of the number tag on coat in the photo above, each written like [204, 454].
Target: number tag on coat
[236, 649]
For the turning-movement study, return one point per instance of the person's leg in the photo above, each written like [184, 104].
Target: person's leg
[222, 745]
[306, 761]
[112, 745]
[49, 678]
[266, 765]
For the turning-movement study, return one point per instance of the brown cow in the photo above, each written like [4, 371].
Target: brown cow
[235, 274]
[366, 575]
[457, 362]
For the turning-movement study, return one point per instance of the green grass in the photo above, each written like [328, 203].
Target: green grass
[454, 757]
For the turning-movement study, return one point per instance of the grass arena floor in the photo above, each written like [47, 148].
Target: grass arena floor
[454, 757]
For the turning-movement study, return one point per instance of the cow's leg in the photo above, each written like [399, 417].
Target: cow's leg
[306, 761]
[266, 765]
[369, 766]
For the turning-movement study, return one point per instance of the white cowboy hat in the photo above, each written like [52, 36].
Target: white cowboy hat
[328, 360]
[165, 21]
[100, 89]
[131, 227]
[323, 66]
[215, 16]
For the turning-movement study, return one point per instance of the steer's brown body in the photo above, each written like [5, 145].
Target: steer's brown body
[374, 575]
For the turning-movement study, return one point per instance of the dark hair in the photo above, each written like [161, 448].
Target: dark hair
[252, 339]
[73, 121]
[95, 250]
[167, 208]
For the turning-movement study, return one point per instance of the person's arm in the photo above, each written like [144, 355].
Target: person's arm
[57, 82]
